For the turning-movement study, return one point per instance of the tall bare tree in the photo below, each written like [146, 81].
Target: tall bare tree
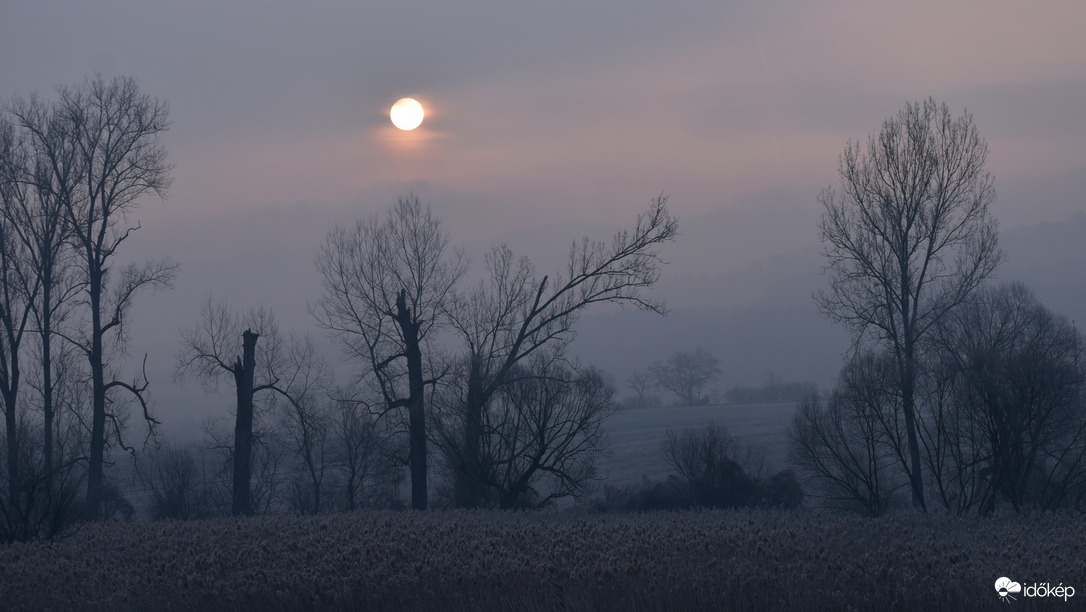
[287, 369]
[907, 237]
[387, 283]
[17, 295]
[513, 314]
[35, 173]
[36, 282]
[105, 158]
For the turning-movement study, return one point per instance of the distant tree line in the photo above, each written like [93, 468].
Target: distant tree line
[688, 374]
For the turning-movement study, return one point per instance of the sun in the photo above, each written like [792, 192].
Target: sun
[406, 113]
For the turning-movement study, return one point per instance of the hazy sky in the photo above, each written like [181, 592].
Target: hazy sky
[547, 120]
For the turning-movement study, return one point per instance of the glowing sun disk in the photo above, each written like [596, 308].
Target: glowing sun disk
[406, 114]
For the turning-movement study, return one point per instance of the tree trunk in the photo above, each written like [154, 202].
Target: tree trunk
[10, 398]
[352, 479]
[13, 445]
[98, 401]
[244, 371]
[416, 407]
[45, 246]
[908, 405]
[468, 493]
[47, 384]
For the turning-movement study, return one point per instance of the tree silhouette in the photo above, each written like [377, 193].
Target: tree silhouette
[387, 282]
[907, 238]
[288, 369]
[513, 314]
[100, 143]
[686, 374]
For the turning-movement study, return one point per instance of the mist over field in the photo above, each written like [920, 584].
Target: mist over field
[753, 310]
[556, 306]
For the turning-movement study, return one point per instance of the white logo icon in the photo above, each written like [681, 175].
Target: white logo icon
[1005, 587]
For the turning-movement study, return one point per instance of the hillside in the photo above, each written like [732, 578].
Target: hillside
[635, 435]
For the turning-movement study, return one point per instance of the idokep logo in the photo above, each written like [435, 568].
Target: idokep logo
[1007, 588]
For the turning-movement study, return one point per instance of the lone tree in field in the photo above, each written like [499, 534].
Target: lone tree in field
[640, 382]
[387, 284]
[907, 238]
[686, 374]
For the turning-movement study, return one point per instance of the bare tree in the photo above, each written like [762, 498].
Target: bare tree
[640, 382]
[107, 159]
[1014, 423]
[286, 369]
[267, 463]
[907, 238]
[717, 469]
[31, 171]
[852, 445]
[179, 488]
[686, 374]
[17, 295]
[306, 422]
[387, 282]
[541, 432]
[367, 460]
[38, 498]
[696, 453]
[513, 314]
[49, 500]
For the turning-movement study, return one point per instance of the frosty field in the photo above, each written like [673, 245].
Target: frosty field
[734, 560]
[635, 435]
[566, 559]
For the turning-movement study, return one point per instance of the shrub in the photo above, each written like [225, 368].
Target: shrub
[647, 496]
[717, 471]
[179, 489]
[782, 490]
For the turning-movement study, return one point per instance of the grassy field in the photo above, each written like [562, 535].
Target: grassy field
[635, 435]
[525, 561]
[570, 560]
